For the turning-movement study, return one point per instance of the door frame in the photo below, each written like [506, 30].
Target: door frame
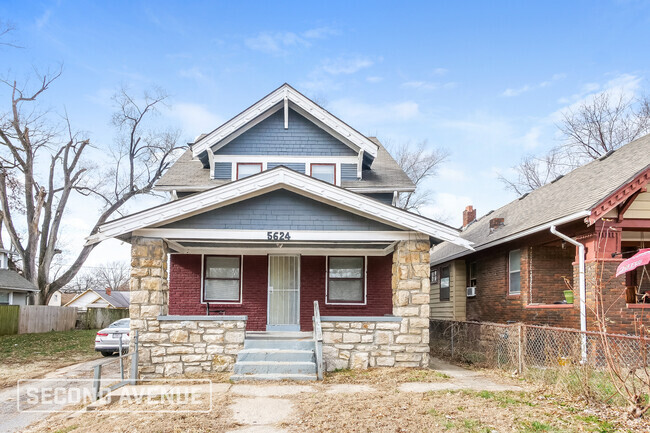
[287, 327]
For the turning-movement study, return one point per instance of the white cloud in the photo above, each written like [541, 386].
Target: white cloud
[346, 65]
[450, 174]
[428, 85]
[374, 79]
[275, 43]
[372, 114]
[194, 118]
[531, 139]
[279, 43]
[511, 92]
[43, 19]
[194, 73]
[440, 71]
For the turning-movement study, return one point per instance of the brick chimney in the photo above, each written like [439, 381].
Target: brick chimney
[108, 291]
[495, 223]
[469, 215]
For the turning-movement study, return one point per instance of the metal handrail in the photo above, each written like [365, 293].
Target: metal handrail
[318, 341]
[97, 375]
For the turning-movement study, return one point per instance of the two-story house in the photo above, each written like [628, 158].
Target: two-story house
[281, 206]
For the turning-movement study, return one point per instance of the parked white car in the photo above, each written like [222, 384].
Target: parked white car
[107, 340]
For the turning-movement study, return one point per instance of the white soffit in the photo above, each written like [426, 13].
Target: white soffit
[304, 105]
[270, 180]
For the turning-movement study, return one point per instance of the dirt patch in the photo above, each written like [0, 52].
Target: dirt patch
[454, 411]
[384, 376]
[130, 420]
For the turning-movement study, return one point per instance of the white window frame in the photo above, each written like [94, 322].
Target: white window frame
[365, 281]
[440, 285]
[329, 164]
[261, 165]
[241, 280]
[510, 272]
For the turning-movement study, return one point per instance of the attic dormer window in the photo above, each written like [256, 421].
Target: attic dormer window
[325, 172]
[248, 169]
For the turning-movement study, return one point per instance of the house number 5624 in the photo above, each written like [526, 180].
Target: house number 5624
[278, 236]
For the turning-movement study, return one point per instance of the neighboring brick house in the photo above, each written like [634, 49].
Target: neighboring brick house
[279, 207]
[520, 270]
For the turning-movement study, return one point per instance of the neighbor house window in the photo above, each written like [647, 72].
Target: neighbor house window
[434, 275]
[345, 280]
[472, 274]
[514, 269]
[444, 283]
[326, 172]
[248, 169]
[222, 279]
[4, 298]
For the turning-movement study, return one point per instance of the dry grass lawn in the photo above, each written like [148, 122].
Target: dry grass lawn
[384, 410]
[29, 356]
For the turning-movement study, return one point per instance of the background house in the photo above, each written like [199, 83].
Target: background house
[96, 298]
[520, 270]
[14, 289]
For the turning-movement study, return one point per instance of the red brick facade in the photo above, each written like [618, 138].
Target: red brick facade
[545, 267]
[185, 289]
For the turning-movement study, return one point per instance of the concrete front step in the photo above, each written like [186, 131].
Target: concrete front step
[284, 344]
[277, 355]
[274, 367]
[261, 377]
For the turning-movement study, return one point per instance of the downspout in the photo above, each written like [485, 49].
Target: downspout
[583, 289]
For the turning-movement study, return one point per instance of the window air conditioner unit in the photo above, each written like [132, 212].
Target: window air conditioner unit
[471, 292]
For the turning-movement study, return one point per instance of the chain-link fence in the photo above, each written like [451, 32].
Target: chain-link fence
[568, 358]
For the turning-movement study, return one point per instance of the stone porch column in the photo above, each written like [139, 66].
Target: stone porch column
[149, 295]
[411, 287]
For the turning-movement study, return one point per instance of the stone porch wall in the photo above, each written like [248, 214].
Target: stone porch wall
[404, 342]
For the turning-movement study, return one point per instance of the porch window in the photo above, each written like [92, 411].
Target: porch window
[444, 283]
[325, 172]
[514, 268]
[222, 281]
[345, 282]
[248, 169]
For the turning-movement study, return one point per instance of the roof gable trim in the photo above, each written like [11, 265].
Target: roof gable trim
[269, 180]
[275, 100]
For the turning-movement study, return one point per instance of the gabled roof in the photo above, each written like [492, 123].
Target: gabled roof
[271, 180]
[568, 198]
[10, 279]
[302, 104]
[117, 299]
[188, 174]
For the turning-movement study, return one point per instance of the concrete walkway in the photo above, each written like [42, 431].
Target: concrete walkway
[261, 408]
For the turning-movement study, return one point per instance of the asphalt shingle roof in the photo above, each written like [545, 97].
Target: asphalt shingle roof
[580, 190]
[117, 299]
[189, 173]
[13, 280]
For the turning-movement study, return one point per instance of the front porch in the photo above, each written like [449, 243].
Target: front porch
[378, 317]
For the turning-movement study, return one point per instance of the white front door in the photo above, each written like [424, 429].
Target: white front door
[284, 293]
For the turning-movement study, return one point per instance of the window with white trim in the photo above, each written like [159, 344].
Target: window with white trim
[514, 270]
[444, 283]
[434, 275]
[325, 172]
[346, 280]
[4, 298]
[245, 169]
[222, 279]
[472, 274]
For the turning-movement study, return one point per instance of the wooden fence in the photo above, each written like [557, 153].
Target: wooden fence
[9, 319]
[29, 319]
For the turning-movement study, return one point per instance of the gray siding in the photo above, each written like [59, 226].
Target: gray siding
[295, 166]
[223, 170]
[348, 172]
[303, 138]
[279, 210]
[386, 198]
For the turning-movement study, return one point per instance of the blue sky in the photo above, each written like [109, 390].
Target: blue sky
[485, 80]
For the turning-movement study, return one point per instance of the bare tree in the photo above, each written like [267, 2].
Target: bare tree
[592, 129]
[113, 275]
[419, 163]
[49, 160]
